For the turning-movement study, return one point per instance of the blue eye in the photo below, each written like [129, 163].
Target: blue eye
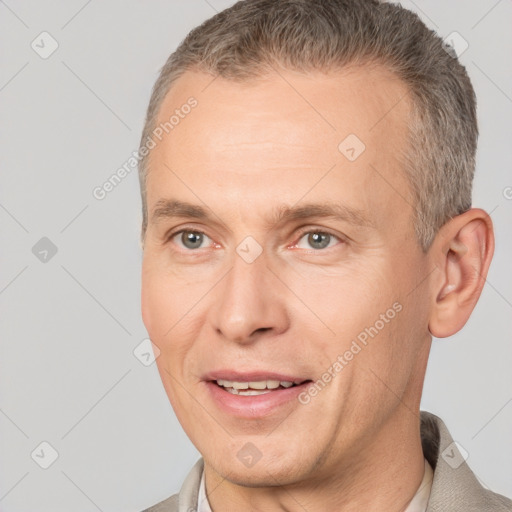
[318, 240]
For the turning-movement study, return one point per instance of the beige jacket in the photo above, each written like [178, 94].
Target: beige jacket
[454, 488]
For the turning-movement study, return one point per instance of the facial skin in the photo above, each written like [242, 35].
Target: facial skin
[244, 153]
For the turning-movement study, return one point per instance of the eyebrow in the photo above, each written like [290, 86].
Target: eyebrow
[172, 208]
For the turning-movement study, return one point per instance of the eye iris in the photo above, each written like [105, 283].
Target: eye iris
[319, 240]
[192, 239]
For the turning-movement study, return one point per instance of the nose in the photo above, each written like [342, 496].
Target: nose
[250, 303]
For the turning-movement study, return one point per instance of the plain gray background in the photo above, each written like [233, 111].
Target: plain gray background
[69, 325]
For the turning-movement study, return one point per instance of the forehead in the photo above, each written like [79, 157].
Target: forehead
[274, 137]
[357, 99]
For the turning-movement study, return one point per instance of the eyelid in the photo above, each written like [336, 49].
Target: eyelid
[173, 232]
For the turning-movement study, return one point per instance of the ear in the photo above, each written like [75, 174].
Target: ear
[462, 251]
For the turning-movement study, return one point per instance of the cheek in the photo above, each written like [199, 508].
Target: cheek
[151, 303]
[160, 301]
[364, 309]
[171, 311]
[354, 298]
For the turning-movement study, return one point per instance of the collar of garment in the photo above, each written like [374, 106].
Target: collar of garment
[417, 504]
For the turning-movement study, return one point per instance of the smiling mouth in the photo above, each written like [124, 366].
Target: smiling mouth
[254, 388]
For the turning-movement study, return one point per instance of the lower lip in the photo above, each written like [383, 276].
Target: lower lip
[254, 406]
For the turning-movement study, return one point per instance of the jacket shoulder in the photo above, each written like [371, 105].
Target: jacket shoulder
[454, 487]
[168, 505]
[498, 502]
[187, 497]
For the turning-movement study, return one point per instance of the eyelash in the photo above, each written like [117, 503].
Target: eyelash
[305, 231]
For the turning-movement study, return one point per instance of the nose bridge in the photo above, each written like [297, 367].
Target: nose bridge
[247, 302]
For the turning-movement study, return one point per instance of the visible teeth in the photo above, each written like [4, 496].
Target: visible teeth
[258, 385]
[247, 392]
[253, 392]
[233, 386]
[239, 385]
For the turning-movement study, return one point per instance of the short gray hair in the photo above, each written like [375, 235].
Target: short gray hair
[246, 40]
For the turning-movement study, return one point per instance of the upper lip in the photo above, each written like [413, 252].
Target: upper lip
[252, 376]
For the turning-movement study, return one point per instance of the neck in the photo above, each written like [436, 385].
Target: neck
[384, 476]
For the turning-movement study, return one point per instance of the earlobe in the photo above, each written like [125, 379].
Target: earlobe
[463, 251]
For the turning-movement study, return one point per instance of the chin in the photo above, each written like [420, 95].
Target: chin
[262, 477]
[266, 472]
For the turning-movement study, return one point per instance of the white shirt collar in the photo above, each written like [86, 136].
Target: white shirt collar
[202, 500]
[418, 503]
[420, 500]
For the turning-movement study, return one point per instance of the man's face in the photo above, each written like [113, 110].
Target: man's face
[276, 289]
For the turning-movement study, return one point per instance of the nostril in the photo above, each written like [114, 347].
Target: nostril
[263, 329]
